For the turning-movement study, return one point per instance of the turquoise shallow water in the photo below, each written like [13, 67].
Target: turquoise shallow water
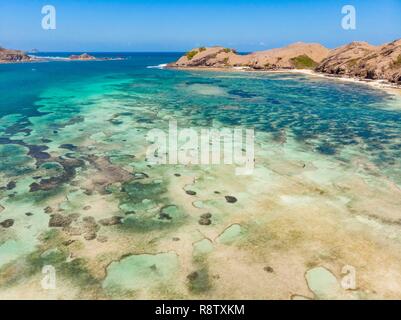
[325, 116]
[72, 139]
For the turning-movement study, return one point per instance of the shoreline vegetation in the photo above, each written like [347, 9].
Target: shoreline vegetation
[379, 66]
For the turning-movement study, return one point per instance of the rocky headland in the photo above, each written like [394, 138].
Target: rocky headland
[358, 60]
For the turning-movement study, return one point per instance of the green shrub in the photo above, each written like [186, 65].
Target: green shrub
[191, 54]
[227, 50]
[225, 60]
[303, 62]
[202, 49]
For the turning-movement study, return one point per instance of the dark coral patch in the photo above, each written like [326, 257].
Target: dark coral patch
[231, 199]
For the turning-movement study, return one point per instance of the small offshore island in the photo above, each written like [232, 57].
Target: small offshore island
[18, 56]
[78, 193]
[358, 60]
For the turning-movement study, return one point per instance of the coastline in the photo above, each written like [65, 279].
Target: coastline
[389, 87]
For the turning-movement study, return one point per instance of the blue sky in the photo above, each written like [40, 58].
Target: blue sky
[178, 25]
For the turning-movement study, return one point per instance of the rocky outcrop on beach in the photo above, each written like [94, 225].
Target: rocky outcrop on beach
[298, 55]
[355, 60]
[83, 56]
[364, 61]
[9, 56]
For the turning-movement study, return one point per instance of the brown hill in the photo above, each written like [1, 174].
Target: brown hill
[297, 55]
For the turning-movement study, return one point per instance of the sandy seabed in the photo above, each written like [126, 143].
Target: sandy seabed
[117, 227]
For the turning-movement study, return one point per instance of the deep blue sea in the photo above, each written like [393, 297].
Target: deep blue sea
[77, 192]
